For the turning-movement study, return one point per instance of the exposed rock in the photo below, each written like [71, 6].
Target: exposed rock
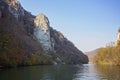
[15, 8]
[65, 50]
[16, 46]
[42, 31]
[25, 39]
[42, 21]
[52, 40]
[23, 16]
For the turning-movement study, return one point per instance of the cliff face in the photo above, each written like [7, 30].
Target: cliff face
[53, 41]
[28, 40]
[17, 46]
[42, 32]
[15, 8]
[65, 50]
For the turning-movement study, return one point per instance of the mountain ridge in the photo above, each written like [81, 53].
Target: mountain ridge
[91, 54]
[34, 39]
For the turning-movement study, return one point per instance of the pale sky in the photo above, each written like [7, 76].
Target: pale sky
[89, 24]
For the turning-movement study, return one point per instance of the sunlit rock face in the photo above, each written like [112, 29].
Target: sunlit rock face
[15, 8]
[27, 36]
[42, 31]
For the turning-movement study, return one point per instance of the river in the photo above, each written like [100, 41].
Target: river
[62, 72]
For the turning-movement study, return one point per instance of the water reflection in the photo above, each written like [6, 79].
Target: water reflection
[62, 72]
[88, 73]
[109, 72]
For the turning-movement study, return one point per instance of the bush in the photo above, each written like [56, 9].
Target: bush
[108, 55]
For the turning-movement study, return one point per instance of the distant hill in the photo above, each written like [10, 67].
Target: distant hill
[92, 54]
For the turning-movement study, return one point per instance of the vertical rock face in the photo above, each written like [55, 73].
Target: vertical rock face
[21, 15]
[52, 40]
[65, 50]
[42, 31]
[25, 38]
[16, 46]
[15, 8]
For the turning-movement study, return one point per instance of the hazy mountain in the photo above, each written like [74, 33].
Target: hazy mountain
[93, 53]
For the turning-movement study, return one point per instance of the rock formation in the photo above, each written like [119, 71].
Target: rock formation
[26, 39]
[15, 8]
[42, 31]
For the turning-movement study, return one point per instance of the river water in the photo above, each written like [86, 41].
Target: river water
[62, 72]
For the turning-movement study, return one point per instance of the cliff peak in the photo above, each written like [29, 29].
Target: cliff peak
[42, 31]
[15, 8]
[24, 37]
[41, 15]
[42, 21]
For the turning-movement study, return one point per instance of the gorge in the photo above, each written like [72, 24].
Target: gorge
[26, 39]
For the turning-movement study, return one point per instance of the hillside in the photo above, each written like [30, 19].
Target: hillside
[92, 54]
[26, 39]
[108, 55]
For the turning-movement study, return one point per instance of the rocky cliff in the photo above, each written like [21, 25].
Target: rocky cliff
[26, 39]
[42, 32]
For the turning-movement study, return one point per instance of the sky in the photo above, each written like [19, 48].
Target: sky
[89, 24]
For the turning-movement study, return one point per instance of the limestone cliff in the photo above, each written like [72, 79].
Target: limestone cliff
[15, 8]
[54, 41]
[18, 47]
[42, 31]
[65, 50]
[26, 39]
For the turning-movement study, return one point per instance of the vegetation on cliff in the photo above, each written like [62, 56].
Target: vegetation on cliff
[16, 46]
[19, 47]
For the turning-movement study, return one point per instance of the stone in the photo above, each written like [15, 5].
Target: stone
[42, 31]
[42, 37]
[15, 8]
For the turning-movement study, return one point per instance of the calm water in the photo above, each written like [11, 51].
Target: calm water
[63, 72]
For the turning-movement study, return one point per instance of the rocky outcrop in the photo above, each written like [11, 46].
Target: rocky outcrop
[21, 15]
[42, 32]
[15, 8]
[17, 48]
[65, 50]
[26, 39]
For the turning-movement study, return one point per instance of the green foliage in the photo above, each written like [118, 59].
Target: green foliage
[108, 55]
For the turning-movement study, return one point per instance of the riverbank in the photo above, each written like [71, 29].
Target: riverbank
[108, 56]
